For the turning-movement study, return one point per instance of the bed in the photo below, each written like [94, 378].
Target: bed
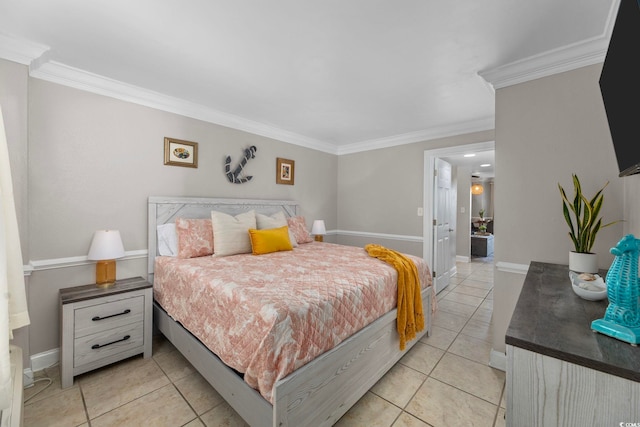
[314, 389]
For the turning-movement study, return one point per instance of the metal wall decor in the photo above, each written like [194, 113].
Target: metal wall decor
[237, 175]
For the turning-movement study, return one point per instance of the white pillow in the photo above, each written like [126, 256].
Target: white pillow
[292, 239]
[167, 240]
[231, 233]
[275, 221]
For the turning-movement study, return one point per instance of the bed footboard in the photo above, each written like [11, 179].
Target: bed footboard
[247, 402]
[317, 394]
[322, 391]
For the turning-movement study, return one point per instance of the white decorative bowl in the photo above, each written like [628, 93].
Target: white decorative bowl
[592, 290]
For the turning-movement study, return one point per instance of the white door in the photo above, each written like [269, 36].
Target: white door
[443, 208]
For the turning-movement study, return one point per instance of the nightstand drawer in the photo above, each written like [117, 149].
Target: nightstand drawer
[104, 316]
[90, 348]
[103, 325]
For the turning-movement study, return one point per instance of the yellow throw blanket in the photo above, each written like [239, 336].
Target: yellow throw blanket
[410, 314]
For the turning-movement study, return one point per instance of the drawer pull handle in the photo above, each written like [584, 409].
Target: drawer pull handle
[96, 318]
[97, 346]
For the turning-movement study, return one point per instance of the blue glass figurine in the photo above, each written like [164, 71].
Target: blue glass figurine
[622, 318]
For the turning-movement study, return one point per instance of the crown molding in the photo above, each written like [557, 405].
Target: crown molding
[566, 58]
[80, 79]
[20, 50]
[419, 136]
[462, 149]
[553, 62]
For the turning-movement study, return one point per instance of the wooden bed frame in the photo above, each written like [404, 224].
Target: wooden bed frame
[318, 393]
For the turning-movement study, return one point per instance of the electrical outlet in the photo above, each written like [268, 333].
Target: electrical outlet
[420, 211]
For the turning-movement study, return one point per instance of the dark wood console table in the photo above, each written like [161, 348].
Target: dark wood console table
[560, 372]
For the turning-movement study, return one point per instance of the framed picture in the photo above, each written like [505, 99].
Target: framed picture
[180, 153]
[285, 171]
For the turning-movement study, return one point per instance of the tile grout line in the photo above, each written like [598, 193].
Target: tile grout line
[456, 337]
[84, 405]
[133, 400]
[445, 351]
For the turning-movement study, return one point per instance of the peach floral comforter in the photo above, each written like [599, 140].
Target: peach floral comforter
[267, 315]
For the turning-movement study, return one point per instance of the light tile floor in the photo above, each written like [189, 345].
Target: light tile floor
[444, 380]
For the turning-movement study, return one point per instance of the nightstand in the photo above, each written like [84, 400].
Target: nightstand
[100, 326]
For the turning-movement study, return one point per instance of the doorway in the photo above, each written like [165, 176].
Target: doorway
[458, 248]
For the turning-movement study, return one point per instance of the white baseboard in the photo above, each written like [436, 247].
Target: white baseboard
[45, 359]
[461, 258]
[498, 360]
[510, 267]
[27, 377]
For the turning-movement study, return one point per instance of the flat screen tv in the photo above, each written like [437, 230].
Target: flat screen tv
[620, 87]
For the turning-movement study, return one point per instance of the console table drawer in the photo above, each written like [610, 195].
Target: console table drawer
[101, 317]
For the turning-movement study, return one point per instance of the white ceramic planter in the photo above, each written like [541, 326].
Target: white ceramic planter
[583, 262]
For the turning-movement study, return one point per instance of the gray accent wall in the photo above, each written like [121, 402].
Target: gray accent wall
[82, 162]
[379, 191]
[547, 129]
[463, 219]
[482, 201]
[90, 162]
[632, 205]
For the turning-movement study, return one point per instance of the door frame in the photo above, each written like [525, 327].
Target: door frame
[429, 182]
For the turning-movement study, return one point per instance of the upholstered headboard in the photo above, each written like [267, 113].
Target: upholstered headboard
[164, 210]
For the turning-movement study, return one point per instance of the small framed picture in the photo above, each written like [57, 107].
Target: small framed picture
[180, 153]
[285, 171]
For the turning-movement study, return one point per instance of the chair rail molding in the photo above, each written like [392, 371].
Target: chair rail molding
[54, 263]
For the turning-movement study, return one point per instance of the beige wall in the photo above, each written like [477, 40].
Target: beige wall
[92, 163]
[632, 205]
[547, 129]
[463, 219]
[379, 191]
[483, 201]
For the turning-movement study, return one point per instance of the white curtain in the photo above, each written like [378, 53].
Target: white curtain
[13, 299]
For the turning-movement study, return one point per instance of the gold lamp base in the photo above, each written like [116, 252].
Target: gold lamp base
[105, 273]
[319, 238]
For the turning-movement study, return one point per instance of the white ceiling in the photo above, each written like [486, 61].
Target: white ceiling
[475, 164]
[339, 76]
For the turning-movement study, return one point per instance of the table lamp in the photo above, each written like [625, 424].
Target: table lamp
[106, 246]
[318, 229]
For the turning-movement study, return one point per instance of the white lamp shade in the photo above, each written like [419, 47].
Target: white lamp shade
[318, 228]
[106, 244]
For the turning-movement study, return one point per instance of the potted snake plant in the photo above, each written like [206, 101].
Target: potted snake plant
[581, 215]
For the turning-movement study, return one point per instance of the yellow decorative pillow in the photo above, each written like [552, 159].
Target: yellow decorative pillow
[270, 240]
